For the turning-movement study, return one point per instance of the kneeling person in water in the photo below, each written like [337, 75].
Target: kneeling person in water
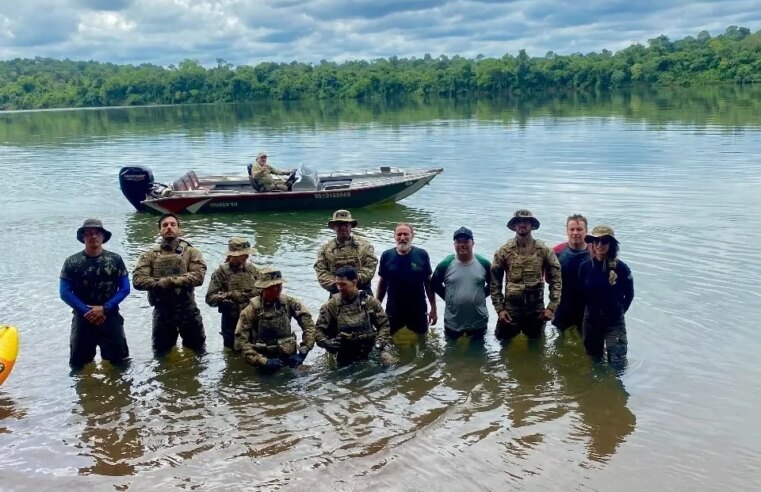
[264, 334]
[351, 324]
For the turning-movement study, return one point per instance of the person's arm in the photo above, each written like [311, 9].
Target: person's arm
[142, 278]
[368, 264]
[379, 319]
[325, 277]
[325, 328]
[120, 294]
[304, 318]
[68, 296]
[196, 270]
[246, 321]
[487, 274]
[432, 313]
[554, 279]
[495, 287]
[437, 280]
[380, 294]
[627, 287]
[217, 291]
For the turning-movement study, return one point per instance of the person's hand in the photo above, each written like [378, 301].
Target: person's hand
[96, 315]
[273, 364]
[504, 317]
[432, 318]
[165, 282]
[386, 358]
[331, 345]
[296, 359]
[546, 314]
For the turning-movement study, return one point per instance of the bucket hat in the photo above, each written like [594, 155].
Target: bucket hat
[269, 276]
[93, 224]
[523, 214]
[239, 247]
[342, 216]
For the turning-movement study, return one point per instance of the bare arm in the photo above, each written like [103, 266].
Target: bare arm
[381, 293]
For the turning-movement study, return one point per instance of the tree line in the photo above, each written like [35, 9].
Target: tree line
[732, 57]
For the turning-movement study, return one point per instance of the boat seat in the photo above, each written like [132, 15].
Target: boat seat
[186, 182]
[337, 185]
[179, 185]
[194, 179]
[251, 179]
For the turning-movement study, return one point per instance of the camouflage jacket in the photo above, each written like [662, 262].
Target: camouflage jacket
[234, 285]
[356, 252]
[264, 329]
[524, 270]
[178, 260]
[338, 315]
[262, 173]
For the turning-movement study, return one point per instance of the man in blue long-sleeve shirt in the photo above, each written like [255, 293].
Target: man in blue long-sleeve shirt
[93, 282]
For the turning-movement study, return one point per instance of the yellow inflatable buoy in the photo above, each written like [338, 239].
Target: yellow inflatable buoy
[8, 350]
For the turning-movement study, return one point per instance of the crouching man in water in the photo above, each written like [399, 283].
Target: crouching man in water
[351, 324]
[264, 334]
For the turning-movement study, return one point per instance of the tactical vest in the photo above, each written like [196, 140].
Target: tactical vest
[242, 282]
[353, 321]
[346, 255]
[525, 279]
[170, 264]
[273, 335]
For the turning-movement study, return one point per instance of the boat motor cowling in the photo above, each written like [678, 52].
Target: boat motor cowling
[136, 182]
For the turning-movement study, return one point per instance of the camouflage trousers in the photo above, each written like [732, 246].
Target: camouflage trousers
[524, 318]
[109, 336]
[273, 187]
[354, 350]
[600, 335]
[227, 329]
[183, 320]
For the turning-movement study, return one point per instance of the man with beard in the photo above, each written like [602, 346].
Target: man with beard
[170, 272]
[524, 263]
[571, 254]
[345, 250]
[93, 282]
[405, 275]
[462, 280]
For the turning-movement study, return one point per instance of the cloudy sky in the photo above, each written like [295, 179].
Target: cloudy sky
[250, 31]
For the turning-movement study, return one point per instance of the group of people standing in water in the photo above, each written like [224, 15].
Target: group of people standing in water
[590, 289]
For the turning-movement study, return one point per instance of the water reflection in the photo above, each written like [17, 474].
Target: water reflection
[9, 410]
[111, 436]
[597, 395]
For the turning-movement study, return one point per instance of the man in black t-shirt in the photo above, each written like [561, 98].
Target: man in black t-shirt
[405, 274]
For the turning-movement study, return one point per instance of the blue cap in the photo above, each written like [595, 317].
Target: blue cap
[463, 231]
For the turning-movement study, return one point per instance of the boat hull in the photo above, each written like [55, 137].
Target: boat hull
[287, 201]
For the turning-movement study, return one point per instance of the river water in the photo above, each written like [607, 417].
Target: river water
[677, 173]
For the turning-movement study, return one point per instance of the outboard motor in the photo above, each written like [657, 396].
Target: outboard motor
[136, 182]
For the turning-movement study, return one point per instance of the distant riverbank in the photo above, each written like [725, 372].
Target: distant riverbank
[40, 83]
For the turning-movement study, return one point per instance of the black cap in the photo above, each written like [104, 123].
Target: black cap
[463, 231]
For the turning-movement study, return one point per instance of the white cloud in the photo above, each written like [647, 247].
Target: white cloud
[243, 31]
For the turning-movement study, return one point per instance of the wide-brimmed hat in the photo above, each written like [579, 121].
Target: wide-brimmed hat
[239, 247]
[523, 214]
[463, 232]
[600, 231]
[267, 277]
[342, 216]
[93, 224]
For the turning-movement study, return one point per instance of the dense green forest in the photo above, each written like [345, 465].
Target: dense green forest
[732, 57]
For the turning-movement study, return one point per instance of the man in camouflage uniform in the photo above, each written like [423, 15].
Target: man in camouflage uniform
[232, 287]
[262, 173]
[93, 282]
[352, 323]
[525, 263]
[345, 250]
[170, 272]
[264, 332]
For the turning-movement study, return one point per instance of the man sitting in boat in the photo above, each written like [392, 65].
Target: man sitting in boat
[266, 177]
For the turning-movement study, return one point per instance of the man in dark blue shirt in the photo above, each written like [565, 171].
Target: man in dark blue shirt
[571, 254]
[93, 282]
[405, 274]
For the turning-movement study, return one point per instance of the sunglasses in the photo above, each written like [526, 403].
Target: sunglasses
[602, 240]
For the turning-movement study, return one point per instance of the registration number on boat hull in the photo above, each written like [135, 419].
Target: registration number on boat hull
[338, 194]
